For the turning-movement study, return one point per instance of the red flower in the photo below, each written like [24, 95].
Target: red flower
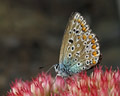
[99, 83]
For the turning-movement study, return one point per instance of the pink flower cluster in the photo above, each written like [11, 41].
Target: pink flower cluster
[99, 83]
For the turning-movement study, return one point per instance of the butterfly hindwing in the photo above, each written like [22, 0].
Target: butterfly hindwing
[80, 48]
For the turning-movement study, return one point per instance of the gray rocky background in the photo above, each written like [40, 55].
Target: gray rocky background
[31, 33]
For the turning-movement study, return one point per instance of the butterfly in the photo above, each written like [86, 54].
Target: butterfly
[80, 49]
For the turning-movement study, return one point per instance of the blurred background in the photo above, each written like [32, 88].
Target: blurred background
[31, 33]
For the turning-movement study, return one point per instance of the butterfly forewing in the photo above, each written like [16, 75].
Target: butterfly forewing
[80, 48]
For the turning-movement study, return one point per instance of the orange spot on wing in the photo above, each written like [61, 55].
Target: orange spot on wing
[93, 61]
[84, 29]
[93, 46]
[90, 36]
[79, 21]
[94, 53]
[78, 37]
[93, 41]
[84, 37]
[82, 24]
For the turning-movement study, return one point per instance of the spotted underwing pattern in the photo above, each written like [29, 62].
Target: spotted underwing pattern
[80, 48]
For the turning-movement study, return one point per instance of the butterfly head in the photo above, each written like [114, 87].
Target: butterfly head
[61, 70]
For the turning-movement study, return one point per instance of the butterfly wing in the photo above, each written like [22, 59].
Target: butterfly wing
[80, 48]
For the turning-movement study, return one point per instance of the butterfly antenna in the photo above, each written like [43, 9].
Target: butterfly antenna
[50, 68]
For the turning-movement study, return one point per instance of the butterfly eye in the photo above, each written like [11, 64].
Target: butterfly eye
[56, 67]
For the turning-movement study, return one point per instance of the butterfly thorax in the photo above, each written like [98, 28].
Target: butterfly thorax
[65, 71]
